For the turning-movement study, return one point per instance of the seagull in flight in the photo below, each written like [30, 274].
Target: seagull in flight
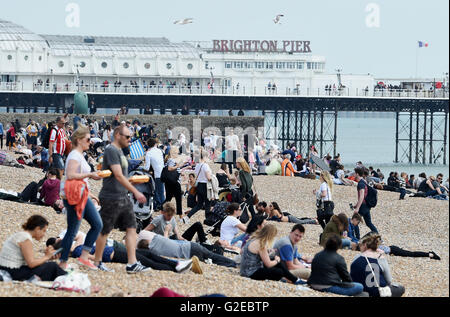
[185, 21]
[277, 19]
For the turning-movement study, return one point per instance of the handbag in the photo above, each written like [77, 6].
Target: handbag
[170, 177]
[193, 190]
[68, 147]
[75, 282]
[321, 210]
[384, 291]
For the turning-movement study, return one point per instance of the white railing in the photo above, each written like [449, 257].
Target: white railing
[225, 90]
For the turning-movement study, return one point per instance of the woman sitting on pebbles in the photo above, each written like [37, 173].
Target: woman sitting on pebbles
[363, 267]
[256, 262]
[329, 271]
[274, 213]
[337, 226]
[223, 176]
[230, 228]
[17, 255]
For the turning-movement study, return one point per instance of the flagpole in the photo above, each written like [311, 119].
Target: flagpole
[417, 59]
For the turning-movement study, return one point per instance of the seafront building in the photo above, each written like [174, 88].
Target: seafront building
[60, 63]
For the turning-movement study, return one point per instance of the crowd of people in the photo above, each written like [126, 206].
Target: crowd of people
[73, 156]
[290, 162]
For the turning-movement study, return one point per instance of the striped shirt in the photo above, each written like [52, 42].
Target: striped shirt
[59, 138]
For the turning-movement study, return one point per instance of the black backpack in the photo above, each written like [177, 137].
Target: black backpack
[372, 197]
[46, 141]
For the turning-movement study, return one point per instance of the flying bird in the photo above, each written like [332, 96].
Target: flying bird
[183, 22]
[277, 19]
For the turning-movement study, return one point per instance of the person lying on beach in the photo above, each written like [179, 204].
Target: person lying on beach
[115, 252]
[17, 255]
[163, 246]
[273, 213]
[353, 235]
[48, 190]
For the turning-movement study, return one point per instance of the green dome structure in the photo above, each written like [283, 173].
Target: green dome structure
[81, 103]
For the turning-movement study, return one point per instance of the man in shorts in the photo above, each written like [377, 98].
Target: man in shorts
[57, 146]
[116, 207]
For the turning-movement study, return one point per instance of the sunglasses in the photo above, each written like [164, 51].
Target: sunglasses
[127, 136]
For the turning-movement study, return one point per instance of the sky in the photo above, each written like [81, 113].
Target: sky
[379, 37]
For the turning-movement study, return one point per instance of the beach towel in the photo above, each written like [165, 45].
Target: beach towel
[136, 150]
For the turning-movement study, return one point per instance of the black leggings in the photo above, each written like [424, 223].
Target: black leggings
[146, 257]
[196, 228]
[274, 273]
[202, 200]
[1, 140]
[29, 194]
[325, 215]
[400, 252]
[47, 272]
[174, 190]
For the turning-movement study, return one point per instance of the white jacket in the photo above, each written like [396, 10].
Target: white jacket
[212, 188]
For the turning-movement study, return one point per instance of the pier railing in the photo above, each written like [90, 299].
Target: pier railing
[224, 90]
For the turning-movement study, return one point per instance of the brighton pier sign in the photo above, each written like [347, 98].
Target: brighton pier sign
[252, 46]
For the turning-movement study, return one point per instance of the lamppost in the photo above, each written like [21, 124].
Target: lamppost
[77, 76]
[445, 81]
[339, 77]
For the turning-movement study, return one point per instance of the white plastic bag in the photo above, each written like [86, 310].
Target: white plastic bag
[75, 282]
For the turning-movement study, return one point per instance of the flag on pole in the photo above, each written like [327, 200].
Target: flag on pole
[423, 44]
[136, 150]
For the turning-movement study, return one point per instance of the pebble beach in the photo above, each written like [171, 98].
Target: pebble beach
[415, 224]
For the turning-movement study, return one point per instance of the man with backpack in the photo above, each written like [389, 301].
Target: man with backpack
[57, 145]
[367, 198]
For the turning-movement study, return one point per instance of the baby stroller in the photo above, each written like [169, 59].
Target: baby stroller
[216, 217]
[143, 212]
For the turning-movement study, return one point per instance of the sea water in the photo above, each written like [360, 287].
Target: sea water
[370, 138]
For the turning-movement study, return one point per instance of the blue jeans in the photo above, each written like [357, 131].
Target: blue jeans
[356, 289]
[92, 216]
[431, 193]
[346, 243]
[365, 212]
[402, 193]
[159, 193]
[238, 238]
